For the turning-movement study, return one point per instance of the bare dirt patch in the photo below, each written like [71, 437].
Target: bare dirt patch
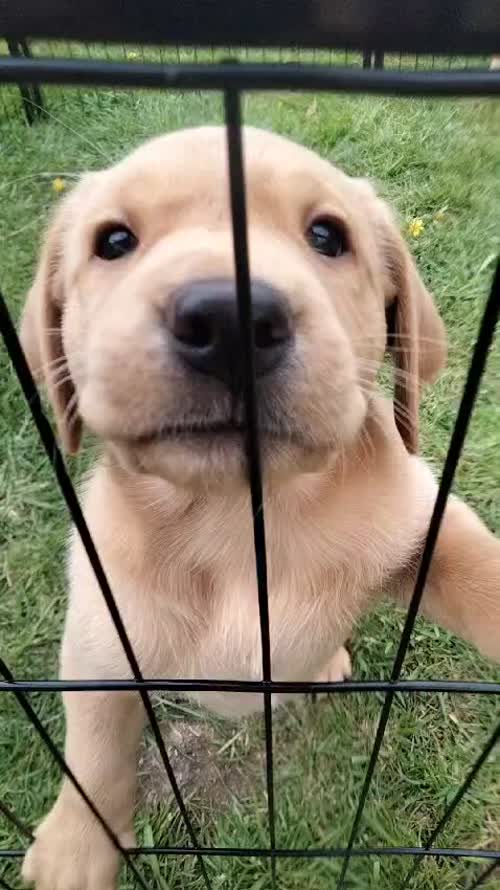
[201, 764]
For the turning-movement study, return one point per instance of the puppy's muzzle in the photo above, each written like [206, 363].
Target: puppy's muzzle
[204, 326]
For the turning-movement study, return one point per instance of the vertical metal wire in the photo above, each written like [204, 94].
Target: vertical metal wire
[232, 110]
[477, 365]
[484, 875]
[11, 817]
[450, 809]
[31, 95]
[45, 431]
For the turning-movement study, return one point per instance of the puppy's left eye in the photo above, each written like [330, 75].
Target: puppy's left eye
[327, 237]
[114, 242]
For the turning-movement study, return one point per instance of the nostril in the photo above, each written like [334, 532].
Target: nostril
[269, 333]
[271, 322]
[193, 329]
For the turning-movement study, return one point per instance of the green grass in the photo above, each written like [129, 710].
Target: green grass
[427, 156]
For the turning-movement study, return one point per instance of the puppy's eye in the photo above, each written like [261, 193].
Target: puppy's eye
[114, 242]
[327, 237]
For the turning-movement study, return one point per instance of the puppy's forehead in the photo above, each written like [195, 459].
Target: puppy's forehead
[193, 164]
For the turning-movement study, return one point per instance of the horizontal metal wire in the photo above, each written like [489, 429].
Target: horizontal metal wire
[343, 687]
[248, 76]
[301, 853]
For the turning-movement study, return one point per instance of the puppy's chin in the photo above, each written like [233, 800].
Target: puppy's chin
[220, 464]
[202, 456]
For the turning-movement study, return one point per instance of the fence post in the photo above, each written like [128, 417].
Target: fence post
[373, 58]
[31, 94]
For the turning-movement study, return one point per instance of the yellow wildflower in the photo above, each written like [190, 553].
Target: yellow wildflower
[58, 184]
[132, 55]
[416, 227]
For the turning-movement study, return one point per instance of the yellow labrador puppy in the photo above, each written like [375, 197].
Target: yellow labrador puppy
[132, 322]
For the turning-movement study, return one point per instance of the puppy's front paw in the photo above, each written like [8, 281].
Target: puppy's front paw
[338, 669]
[72, 852]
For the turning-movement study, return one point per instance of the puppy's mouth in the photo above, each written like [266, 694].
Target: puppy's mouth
[231, 432]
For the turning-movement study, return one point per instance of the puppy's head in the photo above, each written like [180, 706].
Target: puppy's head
[133, 322]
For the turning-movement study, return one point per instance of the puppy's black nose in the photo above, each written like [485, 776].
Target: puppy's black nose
[206, 332]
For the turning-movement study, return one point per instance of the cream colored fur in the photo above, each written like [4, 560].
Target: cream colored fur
[347, 501]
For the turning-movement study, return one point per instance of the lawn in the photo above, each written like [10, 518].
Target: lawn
[438, 161]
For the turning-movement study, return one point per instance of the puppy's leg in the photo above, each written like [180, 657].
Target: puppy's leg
[338, 668]
[71, 850]
[463, 586]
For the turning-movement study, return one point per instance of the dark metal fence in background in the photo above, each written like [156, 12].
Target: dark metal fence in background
[322, 28]
[29, 100]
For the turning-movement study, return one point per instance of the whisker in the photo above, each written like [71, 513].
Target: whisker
[70, 412]
[59, 383]
[400, 410]
[369, 338]
[400, 374]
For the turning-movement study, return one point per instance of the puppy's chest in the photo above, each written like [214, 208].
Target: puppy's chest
[317, 587]
[310, 613]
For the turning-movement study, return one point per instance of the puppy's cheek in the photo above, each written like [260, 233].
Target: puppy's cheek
[114, 407]
[341, 420]
[128, 385]
[353, 417]
[326, 399]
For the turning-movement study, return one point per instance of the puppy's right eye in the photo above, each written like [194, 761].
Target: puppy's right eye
[114, 242]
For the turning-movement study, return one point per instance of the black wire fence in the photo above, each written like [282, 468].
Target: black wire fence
[30, 101]
[56, 49]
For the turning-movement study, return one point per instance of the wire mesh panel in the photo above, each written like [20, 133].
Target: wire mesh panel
[32, 103]
[385, 71]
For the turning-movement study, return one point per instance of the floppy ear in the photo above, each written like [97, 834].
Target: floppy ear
[41, 332]
[416, 336]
